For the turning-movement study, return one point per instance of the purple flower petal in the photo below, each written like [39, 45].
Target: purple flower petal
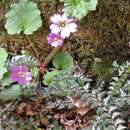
[22, 81]
[14, 68]
[28, 76]
[14, 77]
[65, 32]
[72, 27]
[55, 28]
[23, 68]
[63, 17]
[56, 18]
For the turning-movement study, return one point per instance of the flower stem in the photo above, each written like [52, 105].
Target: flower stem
[50, 56]
[32, 45]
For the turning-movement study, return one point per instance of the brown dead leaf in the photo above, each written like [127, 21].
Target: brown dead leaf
[29, 108]
[37, 103]
[81, 107]
[128, 126]
[21, 108]
[68, 124]
[83, 110]
[44, 121]
[29, 111]
[77, 102]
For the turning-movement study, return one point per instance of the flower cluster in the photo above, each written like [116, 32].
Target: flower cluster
[61, 28]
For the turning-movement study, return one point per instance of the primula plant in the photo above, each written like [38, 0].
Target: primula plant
[17, 73]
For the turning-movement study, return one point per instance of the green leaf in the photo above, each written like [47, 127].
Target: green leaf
[25, 52]
[79, 8]
[63, 61]
[34, 71]
[49, 77]
[3, 56]
[56, 126]
[6, 80]
[11, 93]
[3, 70]
[23, 17]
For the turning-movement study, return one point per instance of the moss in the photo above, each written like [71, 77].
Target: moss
[106, 31]
[101, 69]
[112, 33]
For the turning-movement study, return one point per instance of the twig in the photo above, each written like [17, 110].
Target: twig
[12, 54]
[7, 107]
[50, 56]
[32, 45]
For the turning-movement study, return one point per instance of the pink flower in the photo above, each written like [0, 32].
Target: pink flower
[63, 25]
[55, 40]
[20, 74]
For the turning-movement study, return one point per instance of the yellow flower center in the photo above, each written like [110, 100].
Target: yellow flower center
[62, 24]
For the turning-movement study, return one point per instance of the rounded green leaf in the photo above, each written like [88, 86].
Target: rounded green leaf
[23, 16]
[63, 61]
[49, 77]
[79, 8]
[3, 70]
[3, 56]
[6, 80]
[11, 93]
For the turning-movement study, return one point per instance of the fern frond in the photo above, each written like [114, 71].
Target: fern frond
[108, 117]
[120, 84]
